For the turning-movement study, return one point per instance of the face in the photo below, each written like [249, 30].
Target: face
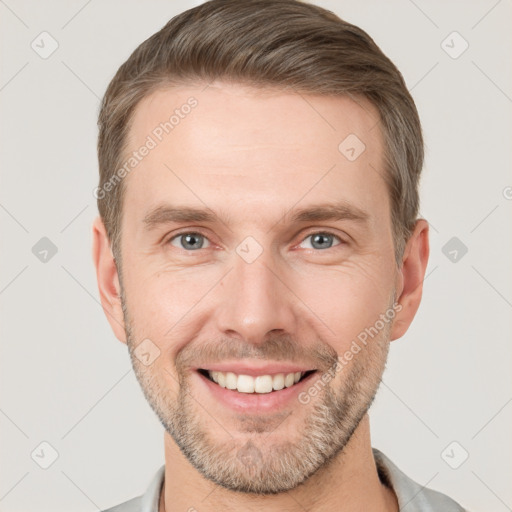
[257, 252]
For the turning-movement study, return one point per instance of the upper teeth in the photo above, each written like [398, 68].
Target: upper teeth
[259, 384]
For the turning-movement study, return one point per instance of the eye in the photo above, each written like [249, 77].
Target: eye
[189, 241]
[321, 240]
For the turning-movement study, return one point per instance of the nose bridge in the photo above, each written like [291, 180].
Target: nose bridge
[255, 299]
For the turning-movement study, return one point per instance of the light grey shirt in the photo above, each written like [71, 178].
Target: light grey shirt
[411, 496]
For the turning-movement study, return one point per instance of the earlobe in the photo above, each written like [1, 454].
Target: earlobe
[410, 279]
[108, 279]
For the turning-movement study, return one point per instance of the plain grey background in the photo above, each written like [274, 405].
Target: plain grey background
[67, 381]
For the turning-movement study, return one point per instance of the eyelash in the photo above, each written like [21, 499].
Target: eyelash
[329, 233]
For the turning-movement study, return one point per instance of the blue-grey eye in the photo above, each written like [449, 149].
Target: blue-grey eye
[321, 240]
[189, 241]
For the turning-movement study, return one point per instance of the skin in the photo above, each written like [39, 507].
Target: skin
[253, 156]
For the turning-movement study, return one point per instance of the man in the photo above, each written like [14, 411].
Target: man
[257, 249]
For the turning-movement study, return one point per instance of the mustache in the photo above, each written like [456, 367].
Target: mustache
[277, 348]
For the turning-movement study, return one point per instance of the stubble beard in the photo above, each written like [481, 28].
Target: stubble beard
[249, 462]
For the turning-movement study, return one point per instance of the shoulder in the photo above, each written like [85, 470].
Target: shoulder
[133, 505]
[410, 495]
[148, 502]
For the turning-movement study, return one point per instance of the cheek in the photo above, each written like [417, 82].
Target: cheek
[171, 306]
[347, 299]
[157, 301]
[164, 305]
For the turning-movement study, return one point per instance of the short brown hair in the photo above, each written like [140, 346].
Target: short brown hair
[266, 43]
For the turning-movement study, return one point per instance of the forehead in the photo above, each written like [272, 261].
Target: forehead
[222, 109]
[256, 147]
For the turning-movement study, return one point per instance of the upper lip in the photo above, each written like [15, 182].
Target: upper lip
[254, 369]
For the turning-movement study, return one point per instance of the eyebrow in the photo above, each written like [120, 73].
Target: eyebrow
[165, 214]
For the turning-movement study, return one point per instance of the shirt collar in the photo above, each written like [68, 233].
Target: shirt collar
[150, 499]
[409, 493]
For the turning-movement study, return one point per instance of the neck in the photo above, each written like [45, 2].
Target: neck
[349, 483]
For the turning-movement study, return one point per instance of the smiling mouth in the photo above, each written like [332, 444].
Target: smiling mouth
[257, 385]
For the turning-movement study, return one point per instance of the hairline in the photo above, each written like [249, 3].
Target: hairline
[169, 84]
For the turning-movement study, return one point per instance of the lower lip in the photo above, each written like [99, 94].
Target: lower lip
[255, 402]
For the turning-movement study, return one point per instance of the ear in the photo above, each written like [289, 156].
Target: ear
[108, 279]
[410, 278]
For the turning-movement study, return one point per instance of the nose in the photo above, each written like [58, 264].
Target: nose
[254, 301]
